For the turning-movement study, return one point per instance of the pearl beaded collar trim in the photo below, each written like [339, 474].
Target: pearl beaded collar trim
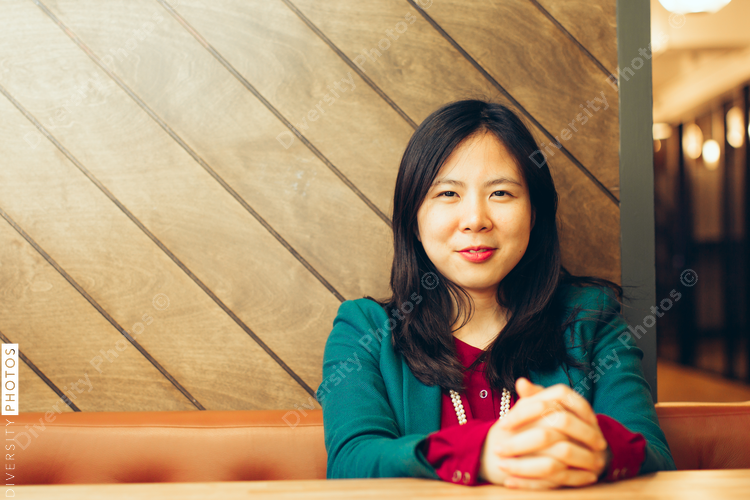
[459, 406]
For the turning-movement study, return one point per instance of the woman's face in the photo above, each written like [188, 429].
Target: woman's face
[479, 199]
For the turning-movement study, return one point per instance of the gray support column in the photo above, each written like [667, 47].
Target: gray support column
[637, 174]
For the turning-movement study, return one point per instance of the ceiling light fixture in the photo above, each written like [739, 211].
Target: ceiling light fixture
[711, 153]
[692, 141]
[693, 6]
[735, 127]
[662, 131]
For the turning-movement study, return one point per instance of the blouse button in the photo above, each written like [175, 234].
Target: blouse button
[483, 394]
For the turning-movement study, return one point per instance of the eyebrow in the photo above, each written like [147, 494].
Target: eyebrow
[493, 182]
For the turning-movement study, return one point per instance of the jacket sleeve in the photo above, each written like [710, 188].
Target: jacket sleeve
[627, 449]
[456, 452]
[620, 389]
[362, 437]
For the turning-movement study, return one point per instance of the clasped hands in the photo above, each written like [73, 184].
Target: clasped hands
[549, 438]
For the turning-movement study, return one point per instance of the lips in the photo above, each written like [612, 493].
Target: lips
[475, 249]
[481, 255]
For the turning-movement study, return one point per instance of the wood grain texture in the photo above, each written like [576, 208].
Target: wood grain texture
[206, 228]
[671, 485]
[589, 221]
[62, 334]
[236, 135]
[592, 23]
[545, 72]
[35, 395]
[299, 74]
[118, 264]
[103, 251]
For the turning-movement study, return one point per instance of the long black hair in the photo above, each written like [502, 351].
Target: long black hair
[532, 338]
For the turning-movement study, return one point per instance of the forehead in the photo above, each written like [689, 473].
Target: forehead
[480, 157]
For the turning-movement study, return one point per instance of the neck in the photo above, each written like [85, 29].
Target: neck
[484, 326]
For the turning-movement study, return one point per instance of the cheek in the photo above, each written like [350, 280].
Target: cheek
[436, 224]
[516, 223]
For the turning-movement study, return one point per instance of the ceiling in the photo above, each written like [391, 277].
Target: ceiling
[697, 58]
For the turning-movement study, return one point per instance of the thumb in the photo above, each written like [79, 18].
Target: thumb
[525, 388]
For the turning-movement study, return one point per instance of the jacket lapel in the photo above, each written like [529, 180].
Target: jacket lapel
[421, 404]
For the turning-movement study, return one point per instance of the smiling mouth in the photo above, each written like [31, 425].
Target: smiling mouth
[477, 255]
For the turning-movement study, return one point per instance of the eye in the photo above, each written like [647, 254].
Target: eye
[504, 193]
[446, 192]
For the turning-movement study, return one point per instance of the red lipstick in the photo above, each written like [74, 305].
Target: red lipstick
[479, 255]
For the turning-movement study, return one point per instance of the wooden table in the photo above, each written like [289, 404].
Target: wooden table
[682, 485]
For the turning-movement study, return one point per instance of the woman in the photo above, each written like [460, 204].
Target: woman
[490, 363]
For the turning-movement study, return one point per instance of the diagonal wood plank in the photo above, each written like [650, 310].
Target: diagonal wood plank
[236, 135]
[106, 254]
[563, 78]
[327, 101]
[592, 23]
[185, 207]
[36, 393]
[36, 396]
[566, 82]
[590, 229]
[50, 321]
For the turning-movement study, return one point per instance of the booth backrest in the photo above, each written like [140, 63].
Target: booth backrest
[202, 446]
[707, 435]
[182, 446]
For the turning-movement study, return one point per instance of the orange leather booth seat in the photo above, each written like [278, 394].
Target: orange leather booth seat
[202, 446]
[181, 446]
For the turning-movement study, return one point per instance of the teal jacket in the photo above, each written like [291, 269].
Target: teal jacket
[376, 413]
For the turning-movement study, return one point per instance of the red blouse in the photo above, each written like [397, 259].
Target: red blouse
[455, 450]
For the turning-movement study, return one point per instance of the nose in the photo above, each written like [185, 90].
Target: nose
[476, 217]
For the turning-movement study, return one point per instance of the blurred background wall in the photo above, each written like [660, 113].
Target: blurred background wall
[701, 73]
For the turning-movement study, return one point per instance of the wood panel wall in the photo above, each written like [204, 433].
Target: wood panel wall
[190, 188]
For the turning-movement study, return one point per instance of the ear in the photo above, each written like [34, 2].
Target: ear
[416, 233]
[533, 218]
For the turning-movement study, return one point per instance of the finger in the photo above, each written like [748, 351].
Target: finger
[544, 432]
[575, 428]
[536, 466]
[547, 401]
[529, 440]
[526, 388]
[574, 455]
[573, 477]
